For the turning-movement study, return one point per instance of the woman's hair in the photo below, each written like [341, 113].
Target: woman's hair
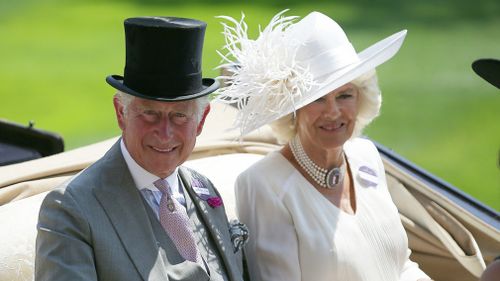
[369, 103]
[201, 103]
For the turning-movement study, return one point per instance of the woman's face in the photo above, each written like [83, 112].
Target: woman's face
[329, 121]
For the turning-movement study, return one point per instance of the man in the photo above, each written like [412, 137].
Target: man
[135, 214]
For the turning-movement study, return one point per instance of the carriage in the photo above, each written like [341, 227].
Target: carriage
[452, 235]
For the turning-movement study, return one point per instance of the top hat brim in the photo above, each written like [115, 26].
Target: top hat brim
[209, 85]
[489, 70]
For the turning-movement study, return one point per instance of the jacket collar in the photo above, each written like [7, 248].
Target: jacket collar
[214, 219]
[122, 203]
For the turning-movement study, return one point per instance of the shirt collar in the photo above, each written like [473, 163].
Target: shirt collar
[144, 179]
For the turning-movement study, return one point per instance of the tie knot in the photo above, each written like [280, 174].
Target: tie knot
[162, 186]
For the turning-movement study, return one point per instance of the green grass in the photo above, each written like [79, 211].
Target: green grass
[55, 55]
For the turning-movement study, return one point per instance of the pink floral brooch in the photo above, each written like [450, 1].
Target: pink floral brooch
[214, 202]
[204, 194]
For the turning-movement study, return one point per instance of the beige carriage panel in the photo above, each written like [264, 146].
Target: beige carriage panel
[453, 251]
[17, 238]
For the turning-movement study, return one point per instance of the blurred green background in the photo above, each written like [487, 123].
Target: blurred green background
[55, 55]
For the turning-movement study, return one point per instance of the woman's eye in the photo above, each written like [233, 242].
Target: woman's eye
[346, 94]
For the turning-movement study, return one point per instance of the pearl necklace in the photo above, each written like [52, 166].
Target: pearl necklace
[323, 177]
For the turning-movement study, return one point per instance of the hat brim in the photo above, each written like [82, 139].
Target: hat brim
[489, 70]
[209, 85]
[369, 59]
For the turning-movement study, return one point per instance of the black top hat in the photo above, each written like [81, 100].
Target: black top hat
[163, 59]
[489, 70]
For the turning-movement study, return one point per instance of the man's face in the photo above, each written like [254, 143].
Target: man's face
[159, 135]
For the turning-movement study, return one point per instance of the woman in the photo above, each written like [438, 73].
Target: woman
[318, 209]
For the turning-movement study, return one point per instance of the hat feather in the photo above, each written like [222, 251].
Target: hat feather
[265, 79]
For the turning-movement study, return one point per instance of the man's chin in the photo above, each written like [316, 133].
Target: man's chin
[158, 167]
[162, 173]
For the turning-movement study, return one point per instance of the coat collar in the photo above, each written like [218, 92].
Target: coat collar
[214, 219]
[121, 201]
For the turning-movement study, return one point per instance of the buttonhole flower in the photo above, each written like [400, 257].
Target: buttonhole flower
[214, 201]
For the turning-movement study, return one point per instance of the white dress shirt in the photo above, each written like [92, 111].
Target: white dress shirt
[144, 182]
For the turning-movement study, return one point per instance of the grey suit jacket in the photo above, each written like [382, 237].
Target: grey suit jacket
[97, 226]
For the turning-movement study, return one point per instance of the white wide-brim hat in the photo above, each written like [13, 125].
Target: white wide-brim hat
[293, 64]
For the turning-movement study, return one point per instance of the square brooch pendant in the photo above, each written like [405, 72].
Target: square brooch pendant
[170, 205]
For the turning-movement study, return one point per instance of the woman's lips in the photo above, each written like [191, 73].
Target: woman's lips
[332, 126]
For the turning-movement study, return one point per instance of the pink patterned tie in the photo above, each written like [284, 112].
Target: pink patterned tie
[174, 219]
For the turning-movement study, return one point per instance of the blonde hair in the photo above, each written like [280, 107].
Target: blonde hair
[370, 100]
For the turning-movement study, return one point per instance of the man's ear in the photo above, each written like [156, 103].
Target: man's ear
[202, 121]
[120, 113]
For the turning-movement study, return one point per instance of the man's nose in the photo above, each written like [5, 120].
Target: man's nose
[164, 128]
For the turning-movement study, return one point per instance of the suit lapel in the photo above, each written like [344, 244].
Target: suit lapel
[214, 220]
[123, 205]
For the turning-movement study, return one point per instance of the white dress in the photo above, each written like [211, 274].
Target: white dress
[297, 234]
